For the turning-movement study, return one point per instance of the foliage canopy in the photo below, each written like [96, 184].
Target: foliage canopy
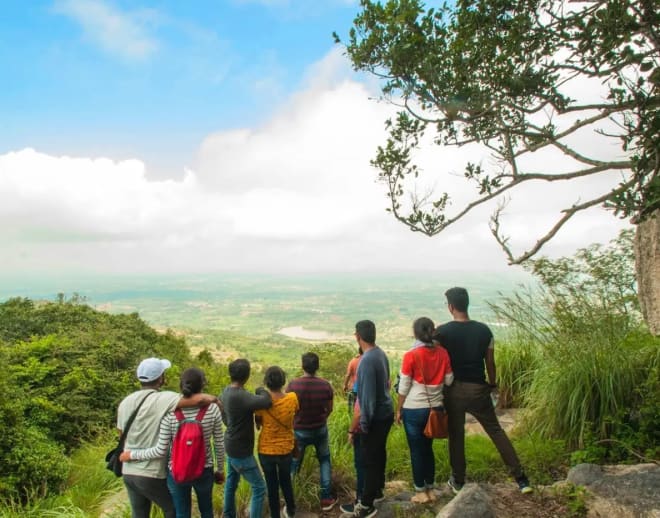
[503, 74]
[67, 366]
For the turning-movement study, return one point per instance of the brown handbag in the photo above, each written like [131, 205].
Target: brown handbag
[437, 422]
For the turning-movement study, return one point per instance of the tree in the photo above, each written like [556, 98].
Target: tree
[499, 74]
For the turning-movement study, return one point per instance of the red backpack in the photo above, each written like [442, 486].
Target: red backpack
[188, 454]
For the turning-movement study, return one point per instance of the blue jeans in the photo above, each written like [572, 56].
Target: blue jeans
[248, 468]
[277, 471]
[317, 437]
[421, 447]
[203, 489]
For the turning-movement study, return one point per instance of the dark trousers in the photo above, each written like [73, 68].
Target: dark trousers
[143, 491]
[277, 472]
[461, 397]
[374, 458]
[358, 463]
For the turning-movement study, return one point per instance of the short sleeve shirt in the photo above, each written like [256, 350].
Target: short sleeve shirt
[276, 437]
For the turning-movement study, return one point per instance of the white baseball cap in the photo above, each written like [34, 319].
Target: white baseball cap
[151, 369]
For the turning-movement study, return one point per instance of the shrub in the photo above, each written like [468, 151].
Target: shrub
[593, 356]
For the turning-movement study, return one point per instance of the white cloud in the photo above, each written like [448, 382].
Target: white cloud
[119, 33]
[295, 194]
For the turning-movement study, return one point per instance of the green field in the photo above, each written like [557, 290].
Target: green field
[243, 314]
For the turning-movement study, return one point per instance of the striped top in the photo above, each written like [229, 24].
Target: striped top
[212, 426]
[315, 400]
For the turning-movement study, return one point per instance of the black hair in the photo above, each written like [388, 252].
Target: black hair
[274, 378]
[239, 370]
[458, 297]
[367, 331]
[423, 328]
[192, 381]
[310, 363]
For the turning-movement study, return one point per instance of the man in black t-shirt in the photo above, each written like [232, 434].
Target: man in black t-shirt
[238, 414]
[470, 346]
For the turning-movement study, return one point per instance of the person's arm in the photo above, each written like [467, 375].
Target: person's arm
[156, 452]
[449, 373]
[490, 364]
[330, 405]
[349, 373]
[219, 449]
[354, 427]
[367, 391]
[259, 400]
[198, 400]
[399, 406]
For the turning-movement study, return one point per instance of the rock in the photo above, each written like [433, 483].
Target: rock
[584, 474]
[621, 491]
[395, 508]
[471, 502]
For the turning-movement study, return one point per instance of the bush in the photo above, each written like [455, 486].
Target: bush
[67, 366]
[593, 380]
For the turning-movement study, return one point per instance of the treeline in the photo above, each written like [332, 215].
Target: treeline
[65, 368]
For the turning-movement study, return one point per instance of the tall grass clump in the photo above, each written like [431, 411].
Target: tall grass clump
[593, 356]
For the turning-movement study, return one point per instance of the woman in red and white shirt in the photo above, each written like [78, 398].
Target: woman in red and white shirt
[425, 370]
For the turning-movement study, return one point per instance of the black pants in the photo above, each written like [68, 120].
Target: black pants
[143, 491]
[474, 398]
[374, 458]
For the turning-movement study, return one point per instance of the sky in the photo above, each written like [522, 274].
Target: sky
[221, 136]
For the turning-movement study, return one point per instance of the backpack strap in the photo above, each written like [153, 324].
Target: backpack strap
[201, 413]
[180, 416]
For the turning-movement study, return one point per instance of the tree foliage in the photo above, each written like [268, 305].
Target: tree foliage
[499, 73]
[66, 367]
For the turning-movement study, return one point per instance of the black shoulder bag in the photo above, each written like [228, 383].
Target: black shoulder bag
[112, 461]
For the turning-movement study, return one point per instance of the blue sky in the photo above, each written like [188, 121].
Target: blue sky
[124, 79]
[205, 136]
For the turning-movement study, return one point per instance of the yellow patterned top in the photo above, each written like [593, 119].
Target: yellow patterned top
[276, 438]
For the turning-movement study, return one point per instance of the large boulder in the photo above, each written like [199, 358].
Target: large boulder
[471, 502]
[621, 491]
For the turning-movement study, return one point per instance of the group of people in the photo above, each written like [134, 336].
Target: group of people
[450, 367]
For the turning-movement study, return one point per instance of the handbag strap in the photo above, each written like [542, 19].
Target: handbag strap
[279, 422]
[124, 432]
[421, 369]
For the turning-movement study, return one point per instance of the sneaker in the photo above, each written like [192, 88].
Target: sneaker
[380, 496]
[420, 497]
[348, 508]
[453, 485]
[362, 511]
[523, 485]
[285, 514]
[328, 503]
